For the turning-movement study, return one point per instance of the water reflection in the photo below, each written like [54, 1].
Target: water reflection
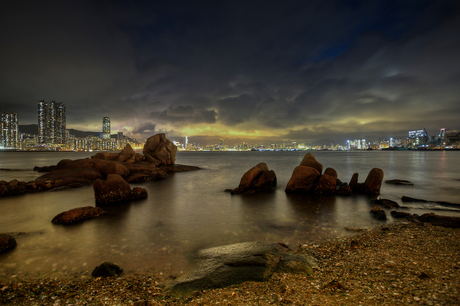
[190, 211]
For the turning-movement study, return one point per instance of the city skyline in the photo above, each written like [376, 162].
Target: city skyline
[240, 71]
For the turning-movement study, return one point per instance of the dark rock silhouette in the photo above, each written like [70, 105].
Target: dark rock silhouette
[378, 213]
[7, 242]
[78, 215]
[385, 203]
[399, 182]
[233, 264]
[107, 269]
[257, 179]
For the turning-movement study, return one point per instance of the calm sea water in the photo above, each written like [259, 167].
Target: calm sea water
[190, 210]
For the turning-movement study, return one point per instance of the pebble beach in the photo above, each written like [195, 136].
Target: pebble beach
[401, 263]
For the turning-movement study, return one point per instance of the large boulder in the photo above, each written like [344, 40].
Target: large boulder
[303, 180]
[236, 263]
[160, 148]
[115, 189]
[327, 182]
[7, 243]
[78, 215]
[309, 160]
[257, 179]
[373, 181]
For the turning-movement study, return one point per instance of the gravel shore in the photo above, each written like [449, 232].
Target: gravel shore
[396, 264]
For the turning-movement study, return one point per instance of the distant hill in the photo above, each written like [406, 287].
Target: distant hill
[33, 130]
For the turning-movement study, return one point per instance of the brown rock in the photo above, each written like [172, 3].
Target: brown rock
[128, 150]
[444, 221]
[303, 180]
[83, 173]
[115, 189]
[327, 182]
[161, 149]
[78, 215]
[310, 161]
[115, 168]
[386, 203]
[378, 213]
[373, 181]
[61, 165]
[251, 174]
[6, 243]
[353, 181]
[106, 155]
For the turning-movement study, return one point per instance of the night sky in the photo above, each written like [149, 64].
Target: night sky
[254, 71]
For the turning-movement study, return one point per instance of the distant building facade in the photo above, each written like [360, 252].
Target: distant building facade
[106, 128]
[51, 122]
[10, 132]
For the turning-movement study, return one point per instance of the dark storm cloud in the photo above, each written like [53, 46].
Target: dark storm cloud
[299, 69]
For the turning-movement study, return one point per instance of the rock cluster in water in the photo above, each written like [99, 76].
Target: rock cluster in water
[78, 215]
[307, 178]
[158, 159]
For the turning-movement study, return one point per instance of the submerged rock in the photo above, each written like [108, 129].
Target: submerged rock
[78, 215]
[7, 242]
[385, 203]
[399, 182]
[236, 263]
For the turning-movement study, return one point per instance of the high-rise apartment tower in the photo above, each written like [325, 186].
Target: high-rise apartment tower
[106, 128]
[10, 133]
[51, 122]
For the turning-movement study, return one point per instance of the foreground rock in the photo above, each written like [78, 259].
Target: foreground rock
[442, 203]
[378, 213]
[385, 203]
[78, 215]
[257, 179]
[237, 263]
[107, 269]
[444, 221]
[385, 266]
[115, 189]
[7, 242]
[158, 148]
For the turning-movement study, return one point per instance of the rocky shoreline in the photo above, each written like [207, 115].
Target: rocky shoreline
[402, 263]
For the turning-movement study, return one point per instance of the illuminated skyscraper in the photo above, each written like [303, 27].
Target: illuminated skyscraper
[9, 127]
[106, 128]
[51, 122]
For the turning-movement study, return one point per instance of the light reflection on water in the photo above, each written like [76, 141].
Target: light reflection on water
[189, 211]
